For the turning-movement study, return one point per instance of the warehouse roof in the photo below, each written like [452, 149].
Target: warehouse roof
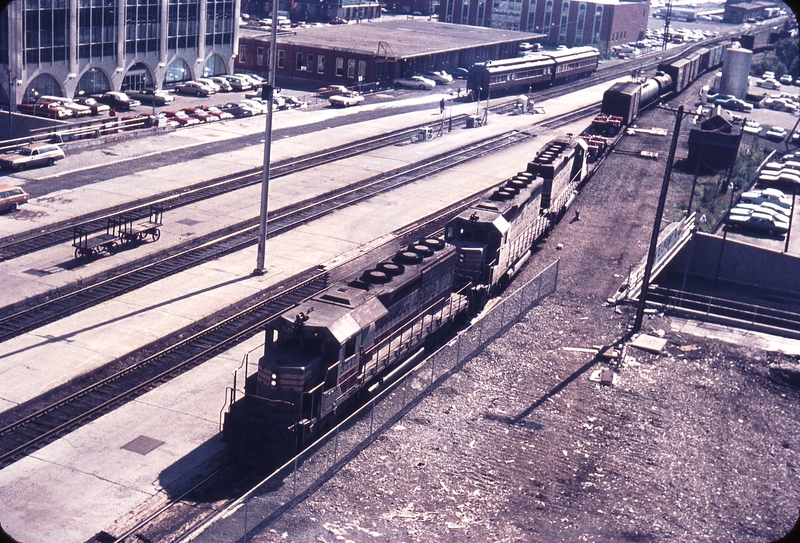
[396, 37]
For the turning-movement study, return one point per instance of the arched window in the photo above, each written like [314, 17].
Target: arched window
[215, 66]
[581, 22]
[176, 72]
[138, 78]
[94, 81]
[43, 85]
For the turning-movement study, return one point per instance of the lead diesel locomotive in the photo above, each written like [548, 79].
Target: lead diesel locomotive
[347, 340]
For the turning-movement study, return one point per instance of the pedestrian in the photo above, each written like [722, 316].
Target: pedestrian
[441, 105]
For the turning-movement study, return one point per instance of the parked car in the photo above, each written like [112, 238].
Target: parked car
[769, 84]
[776, 133]
[259, 80]
[29, 156]
[261, 107]
[751, 127]
[238, 84]
[440, 77]
[200, 114]
[209, 83]
[224, 85]
[183, 118]
[53, 110]
[147, 120]
[12, 196]
[772, 195]
[74, 108]
[768, 75]
[460, 73]
[150, 96]
[217, 112]
[96, 107]
[786, 79]
[117, 100]
[415, 82]
[194, 87]
[238, 110]
[342, 100]
[332, 90]
[759, 222]
[734, 104]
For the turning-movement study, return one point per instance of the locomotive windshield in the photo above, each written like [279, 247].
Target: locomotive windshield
[291, 345]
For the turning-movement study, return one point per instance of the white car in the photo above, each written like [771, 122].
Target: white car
[776, 133]
[769, 84]
[342, 100]
[440, 77]
[786, 79]
[771, 195]
[415, 82]
[194, 87]
[751, 127]
[209, 83]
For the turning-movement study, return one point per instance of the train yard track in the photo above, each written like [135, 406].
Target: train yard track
[240, 237]
[30, 426]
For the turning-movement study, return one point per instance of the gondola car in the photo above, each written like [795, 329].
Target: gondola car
[531, 71]
[320, 354]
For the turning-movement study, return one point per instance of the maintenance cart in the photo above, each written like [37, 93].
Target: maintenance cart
[86, 245]
[130, 230]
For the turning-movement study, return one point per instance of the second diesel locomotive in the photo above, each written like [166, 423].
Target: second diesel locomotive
[323, 353]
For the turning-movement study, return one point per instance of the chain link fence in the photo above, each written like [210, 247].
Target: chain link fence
[303, 475]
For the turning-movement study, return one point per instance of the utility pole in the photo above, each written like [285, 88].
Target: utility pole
[662, 200]
[266, 93]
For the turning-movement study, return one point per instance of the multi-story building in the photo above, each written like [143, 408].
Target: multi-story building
[601, 23]
[75, 47]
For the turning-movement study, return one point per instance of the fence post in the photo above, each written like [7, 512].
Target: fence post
[336, 448]
[294, 481]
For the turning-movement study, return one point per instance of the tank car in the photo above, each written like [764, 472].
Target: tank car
[495, 236]
[321, 354]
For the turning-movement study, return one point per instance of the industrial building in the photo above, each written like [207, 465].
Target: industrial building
[743, 12]
[72, 47]
[601, 23]
[716, 143]
[375, 53]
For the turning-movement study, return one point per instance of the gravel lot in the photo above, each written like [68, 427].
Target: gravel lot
[697, 443]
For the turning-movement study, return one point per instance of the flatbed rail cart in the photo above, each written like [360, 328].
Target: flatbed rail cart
[130, 231]
[86, 245]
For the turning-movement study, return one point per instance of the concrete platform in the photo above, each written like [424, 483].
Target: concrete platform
[81, 484]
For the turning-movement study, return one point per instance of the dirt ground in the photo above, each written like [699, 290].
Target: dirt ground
[697, 443]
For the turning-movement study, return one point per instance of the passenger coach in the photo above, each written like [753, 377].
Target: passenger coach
[531, 71]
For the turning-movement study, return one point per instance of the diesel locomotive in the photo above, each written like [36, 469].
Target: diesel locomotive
[352, 337]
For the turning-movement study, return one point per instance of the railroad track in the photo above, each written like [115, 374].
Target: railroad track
[29, 427]
[242, 236]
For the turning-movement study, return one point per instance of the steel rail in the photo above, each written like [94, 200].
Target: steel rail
[16, 323]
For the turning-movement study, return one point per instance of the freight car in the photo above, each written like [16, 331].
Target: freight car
[531, 71]
[626, 100]
[352, 337]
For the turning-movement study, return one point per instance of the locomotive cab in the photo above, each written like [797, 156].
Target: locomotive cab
[477, 238]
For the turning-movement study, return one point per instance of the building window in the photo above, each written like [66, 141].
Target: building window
[465, 13]
[449, 16]
[219, 22]
[242, 53]
[298, 62]
[339, 66]
[182, 28]
[281, 58]
[548, 16]
[531, 15]
[310, 63]
[260, 56]
[351, 68]
[598, 21]
[46, 25]
[97, 29]
[320, 64]
[362, 70]
[562, 29]
[581, 22]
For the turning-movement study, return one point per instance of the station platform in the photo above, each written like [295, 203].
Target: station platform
[89, 481]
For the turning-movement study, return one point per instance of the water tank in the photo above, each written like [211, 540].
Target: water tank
[735, 69]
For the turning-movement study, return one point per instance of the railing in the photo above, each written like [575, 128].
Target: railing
[303, 475]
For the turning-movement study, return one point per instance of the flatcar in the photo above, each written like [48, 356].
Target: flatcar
[352, 337]
[626, 100]
[530, 71]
